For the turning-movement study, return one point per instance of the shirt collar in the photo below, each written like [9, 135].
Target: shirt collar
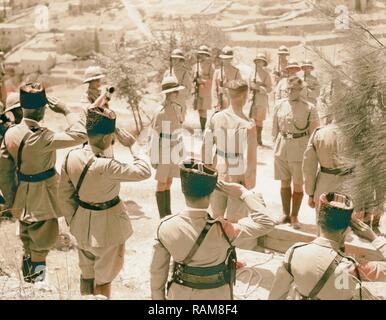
[324, 242]
[195, 212]
[95, 150]
[31, 123]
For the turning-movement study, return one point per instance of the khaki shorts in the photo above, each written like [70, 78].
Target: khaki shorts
[259, 113]
[167, 171]
[231, 208]
[288, 170]
[39, 237]
[101, 264]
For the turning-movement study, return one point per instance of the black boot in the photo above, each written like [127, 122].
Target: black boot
[202, 123]
[26, 268]
[86, 286]
[38, 271]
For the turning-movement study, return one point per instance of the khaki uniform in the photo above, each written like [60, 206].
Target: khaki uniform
[235, 158]
[280, 72]
[324, 149]
[36, 202]
[260, 105]
[100, 235]
[375, 270]
[177, 235]
[166, 128]
[297, 117]
[206, 73]
[308, 264]
[228, 74]
[311, 92]
[281, 90]
[184, 79]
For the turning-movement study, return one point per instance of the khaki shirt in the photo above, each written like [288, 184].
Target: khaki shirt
[166, 132]
[325, 148]
[232, 133]
[261, 96]
[36, 201]
[375, 270]
[177, 234]
[281, 90]
[206, 73]
[184, 79]
[291, 117]
[308, 265]
[102, 183]
[229, 74]
[312, 89]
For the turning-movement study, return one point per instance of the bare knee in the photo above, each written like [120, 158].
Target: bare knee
[298, 188]
[285, 184]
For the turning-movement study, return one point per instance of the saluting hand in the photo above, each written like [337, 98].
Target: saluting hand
[231, 189]
[125, 137]
[362, 230]
[57, 106]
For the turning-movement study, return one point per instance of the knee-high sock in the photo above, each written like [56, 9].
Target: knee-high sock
[202, 123]
[297, 198]
[167, 203]
[285, 194]
[161, 203]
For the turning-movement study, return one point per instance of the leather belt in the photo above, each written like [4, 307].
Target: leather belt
[228, 155]
[201, 277]
[37, 177]
[288, 135]
[337, 171]
[99, 206]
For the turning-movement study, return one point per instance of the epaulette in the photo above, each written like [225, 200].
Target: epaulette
[160, 224]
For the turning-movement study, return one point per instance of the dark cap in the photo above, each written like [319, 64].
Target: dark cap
[236, 86]
[335, 211]
[100, 121]
[197, 179]
[33, 96]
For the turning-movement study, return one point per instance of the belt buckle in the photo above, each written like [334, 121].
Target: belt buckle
[290, 136]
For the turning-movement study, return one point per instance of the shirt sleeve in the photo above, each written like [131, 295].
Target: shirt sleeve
[310, 167]
[68, 205]
[8, 178]
[257, 224]
[75, 134]
[282, 282]
[268, 83]
[137, 171]
[159, 270]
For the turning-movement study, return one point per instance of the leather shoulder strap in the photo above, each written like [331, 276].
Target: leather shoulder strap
[326, 275]
[198, 243]
[83, 175]
[20, 149]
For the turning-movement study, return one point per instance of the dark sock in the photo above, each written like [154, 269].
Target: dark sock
[86, 286]
[168, 210]
[161, 203]
[297, 198]
[202, 123]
